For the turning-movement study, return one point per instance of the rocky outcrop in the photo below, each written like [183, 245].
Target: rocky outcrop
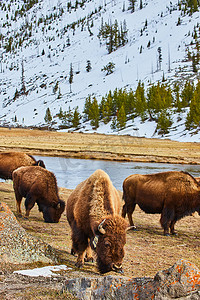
[181, 281]
[16, 245]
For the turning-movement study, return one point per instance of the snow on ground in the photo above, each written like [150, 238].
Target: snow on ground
[45, 271]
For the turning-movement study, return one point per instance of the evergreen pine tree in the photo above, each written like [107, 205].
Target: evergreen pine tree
[87, 108]
[55, 88]
[59, 94]
[71, 75]
[164, 122]
[48, 117]
[141, 5]
[60, 114]
[88, 66]
[109, 68]
[159, 58]
[193, 117]
[94, 114]
[23, 88]
[187, 93]
[113, 125]
[121, 118]
[132, 5]
[76, 118]
[177, 103]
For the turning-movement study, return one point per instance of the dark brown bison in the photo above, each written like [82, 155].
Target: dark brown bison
[93, 214]
[10, 161]
[173, 194]
[38, 185]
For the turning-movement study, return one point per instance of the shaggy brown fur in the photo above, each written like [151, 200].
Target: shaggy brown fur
[173, 194]
[10, 161]
[95, 200]
[197, 179]
[38, 185]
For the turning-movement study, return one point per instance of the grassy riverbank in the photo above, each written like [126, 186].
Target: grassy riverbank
[98, 146]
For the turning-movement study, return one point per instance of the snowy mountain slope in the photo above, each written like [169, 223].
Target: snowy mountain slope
[46, 56]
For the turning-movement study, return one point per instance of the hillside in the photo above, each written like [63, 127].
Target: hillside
[41, 41]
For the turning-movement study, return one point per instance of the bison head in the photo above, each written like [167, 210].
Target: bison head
[52, 214]
[110, 240]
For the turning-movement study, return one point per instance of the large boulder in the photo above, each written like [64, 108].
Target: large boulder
[16, 245]
[181, 281]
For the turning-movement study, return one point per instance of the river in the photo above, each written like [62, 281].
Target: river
[70, 172]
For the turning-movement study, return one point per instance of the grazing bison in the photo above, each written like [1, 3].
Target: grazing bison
[173, 194]
[93, 214]
[38, 185]
[10, 161]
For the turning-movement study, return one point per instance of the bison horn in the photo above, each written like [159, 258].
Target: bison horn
[58, 205]
[95, 241]
[100, 227]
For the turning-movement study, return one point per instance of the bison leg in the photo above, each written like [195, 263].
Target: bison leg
[130, 211]
[29, 203]
[89, 256]
[18, 200]
[172, 227]
[167, 216]
[80, 244]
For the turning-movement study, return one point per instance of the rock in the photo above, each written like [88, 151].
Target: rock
[181, 281]
[17, 246]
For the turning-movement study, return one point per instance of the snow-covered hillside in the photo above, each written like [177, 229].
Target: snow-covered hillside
[55, 35]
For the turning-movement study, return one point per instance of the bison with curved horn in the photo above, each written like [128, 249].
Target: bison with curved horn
[10, 161]
[93, 214]
[172, 194]
[38, 185]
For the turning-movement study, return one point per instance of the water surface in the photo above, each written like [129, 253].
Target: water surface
[70, 171]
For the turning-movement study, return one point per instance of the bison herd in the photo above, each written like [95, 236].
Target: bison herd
[93, 208]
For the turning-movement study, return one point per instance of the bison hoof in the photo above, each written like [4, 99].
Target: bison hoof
[166, 234]
[79, 264]
[89, 259]
[73, 252]
[174, 233]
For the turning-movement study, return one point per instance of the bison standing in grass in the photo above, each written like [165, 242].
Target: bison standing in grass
[10, 161]
[38, 185]
[93, 214]
[171, 194]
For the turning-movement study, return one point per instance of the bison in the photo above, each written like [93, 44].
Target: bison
[173, 194]
[10, 161]
[93, 214]
[38, 185]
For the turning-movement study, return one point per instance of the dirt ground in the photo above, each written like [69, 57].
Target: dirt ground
[147, 250]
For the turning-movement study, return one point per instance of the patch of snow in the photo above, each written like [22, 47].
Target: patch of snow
[45, 271]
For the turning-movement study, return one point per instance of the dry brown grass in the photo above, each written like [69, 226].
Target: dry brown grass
[111, 147]
[147, 250]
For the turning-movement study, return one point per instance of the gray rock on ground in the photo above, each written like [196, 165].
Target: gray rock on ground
[181, 281]
[17, 246]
